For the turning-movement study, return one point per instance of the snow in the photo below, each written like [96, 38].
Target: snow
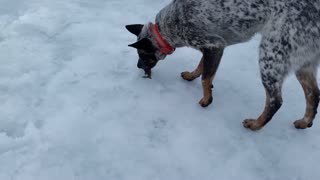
[74, 105]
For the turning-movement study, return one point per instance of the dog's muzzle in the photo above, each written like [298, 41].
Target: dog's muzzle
[141, 65]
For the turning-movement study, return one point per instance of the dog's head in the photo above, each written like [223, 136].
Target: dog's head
[148, 51]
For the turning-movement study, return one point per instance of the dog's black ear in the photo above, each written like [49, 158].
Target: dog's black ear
[144, 44]
[135, 28]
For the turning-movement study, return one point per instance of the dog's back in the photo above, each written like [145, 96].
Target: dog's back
[297, 23]
[222, 22]
[227, 22]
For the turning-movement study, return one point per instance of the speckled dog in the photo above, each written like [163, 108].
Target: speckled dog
[290, 32]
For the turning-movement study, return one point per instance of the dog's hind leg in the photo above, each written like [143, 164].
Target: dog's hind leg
[211, 60]
[308, 80]
[190, 76]
[273, 69]
[273, 104]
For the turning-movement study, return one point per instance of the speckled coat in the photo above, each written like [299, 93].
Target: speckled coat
[290, 32]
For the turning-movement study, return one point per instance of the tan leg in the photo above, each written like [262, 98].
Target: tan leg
[207, 92]
[308, 81]
[211, 60]
[190, 76]
[270, 109]
[272, 76]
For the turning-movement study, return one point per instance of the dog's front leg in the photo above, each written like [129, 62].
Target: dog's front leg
[211, 60]
[190, 76]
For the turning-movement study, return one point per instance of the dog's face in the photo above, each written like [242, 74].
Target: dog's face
[149, 54]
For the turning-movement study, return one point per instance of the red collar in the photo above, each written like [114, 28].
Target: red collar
[165, 48]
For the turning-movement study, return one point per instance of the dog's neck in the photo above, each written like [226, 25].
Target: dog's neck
[164, 46]
[171, 37]
[168, 27]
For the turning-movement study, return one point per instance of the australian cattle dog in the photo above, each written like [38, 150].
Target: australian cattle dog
[290, 31]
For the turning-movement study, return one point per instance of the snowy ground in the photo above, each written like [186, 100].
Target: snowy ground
[73, 105]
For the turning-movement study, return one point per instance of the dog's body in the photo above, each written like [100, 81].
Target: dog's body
[290, 32]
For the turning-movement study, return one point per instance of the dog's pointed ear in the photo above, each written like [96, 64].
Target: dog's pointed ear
[135, 28]
[144, 44]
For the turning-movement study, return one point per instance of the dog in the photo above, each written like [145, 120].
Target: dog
[290, 31]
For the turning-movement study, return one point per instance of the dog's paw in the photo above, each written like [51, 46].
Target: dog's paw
[205, 102]
[187, 76]
[252, 124]
[302, 124]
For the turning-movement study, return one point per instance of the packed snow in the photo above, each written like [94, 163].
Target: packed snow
[74, 106]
